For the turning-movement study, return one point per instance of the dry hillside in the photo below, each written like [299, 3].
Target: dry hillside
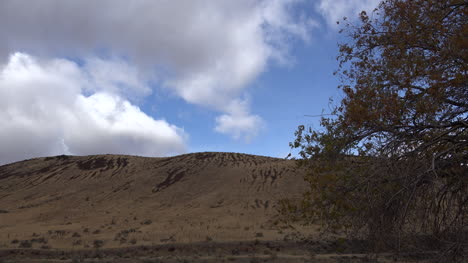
[70, 202]
[201, 207]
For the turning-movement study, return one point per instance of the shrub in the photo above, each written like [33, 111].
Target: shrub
[25, 244]
[39, 240]
[98, 243]
[77, 242]
[147, 222]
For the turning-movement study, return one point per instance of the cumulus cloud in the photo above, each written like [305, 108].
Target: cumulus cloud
[239, 126]
[335, 10]
[238, 122]
[206, 52]
[44, 111]
[117, 76]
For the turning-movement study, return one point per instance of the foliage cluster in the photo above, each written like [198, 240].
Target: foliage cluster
[391, 163]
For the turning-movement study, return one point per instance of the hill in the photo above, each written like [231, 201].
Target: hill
[121, 201]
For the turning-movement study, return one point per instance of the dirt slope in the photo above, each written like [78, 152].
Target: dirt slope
[120, 201]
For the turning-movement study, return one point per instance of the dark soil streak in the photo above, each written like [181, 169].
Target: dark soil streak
[173, 177]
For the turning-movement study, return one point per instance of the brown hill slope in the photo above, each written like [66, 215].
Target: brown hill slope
[66, 201]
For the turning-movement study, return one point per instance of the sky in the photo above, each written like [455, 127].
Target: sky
[165, 77]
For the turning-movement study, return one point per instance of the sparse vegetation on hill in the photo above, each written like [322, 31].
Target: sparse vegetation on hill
[112, 205]
[391, 163]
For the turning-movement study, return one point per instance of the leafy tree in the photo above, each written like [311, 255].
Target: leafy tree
[392, 162]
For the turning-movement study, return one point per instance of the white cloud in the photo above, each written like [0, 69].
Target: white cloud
[43, 112]
[117, 76]
[207, 52]
[238, 122]
[335, 10]
[239, 126]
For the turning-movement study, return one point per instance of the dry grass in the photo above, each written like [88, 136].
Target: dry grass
[210, 207]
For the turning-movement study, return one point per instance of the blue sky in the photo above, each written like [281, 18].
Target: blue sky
[159, 78]
[281, 96]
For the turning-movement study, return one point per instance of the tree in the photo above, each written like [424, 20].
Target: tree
[392, 161]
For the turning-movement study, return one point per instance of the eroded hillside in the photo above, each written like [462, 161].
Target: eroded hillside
[118, 201]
